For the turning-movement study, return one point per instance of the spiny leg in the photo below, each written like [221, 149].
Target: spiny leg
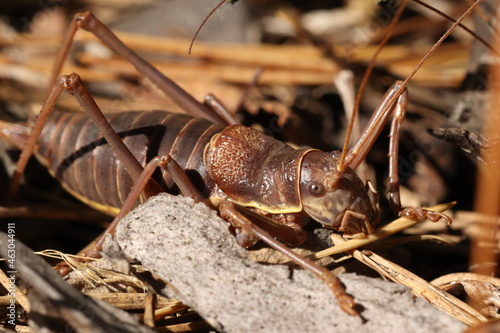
[394, 135]
[380, 117]
[370, 134]
[73, 84]
[230, 213]
[394, 194]
[27, 151]
[89, 22]
[292, 234]
[375, 125]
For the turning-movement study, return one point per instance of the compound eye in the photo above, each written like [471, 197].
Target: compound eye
[316, 189]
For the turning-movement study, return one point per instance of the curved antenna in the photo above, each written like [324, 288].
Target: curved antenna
[433, 49]
[342, 165]
[389, 104]
[205, 21]
[472, 33]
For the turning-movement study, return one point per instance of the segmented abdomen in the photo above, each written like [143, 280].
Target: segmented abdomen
[76, 154]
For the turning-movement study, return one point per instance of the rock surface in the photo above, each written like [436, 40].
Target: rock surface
[190, 248]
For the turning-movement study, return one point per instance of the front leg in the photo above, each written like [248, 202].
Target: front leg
[285, 228]
[230, 213]
[394, 195]
[250, 231]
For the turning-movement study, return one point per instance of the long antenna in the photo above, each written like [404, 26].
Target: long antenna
[341, 166]
[432, 50]
[364, 82]
[205, 21]
[472, 33]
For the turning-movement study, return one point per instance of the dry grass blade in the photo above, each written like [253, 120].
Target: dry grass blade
[61, 307]
[304, 64]
[81, 268]
[419, 287]
[132, 301]
[91, 274]
[380, 233]
[483, 252]
[450, 279]
[408, 239]
[484, 290]
[19, 294]
[148, 318]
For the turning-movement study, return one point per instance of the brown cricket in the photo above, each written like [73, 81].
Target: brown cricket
[261, 186]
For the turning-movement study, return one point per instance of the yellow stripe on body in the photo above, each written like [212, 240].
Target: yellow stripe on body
[109, 210]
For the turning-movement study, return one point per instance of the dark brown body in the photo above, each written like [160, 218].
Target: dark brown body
[75, 153]
[234, 163]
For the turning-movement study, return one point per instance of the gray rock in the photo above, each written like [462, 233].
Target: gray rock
[190, 247]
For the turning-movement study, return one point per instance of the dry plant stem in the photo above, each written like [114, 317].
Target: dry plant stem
[289, 64]
[300, 58]
[20, 296]
[239, 73]
[344, 82]
[169, 310]
[416, 238]
[149, 310]
[57, 303]
[195, 326]
[419, 287]
[132, 301]
[450, 279]
[380, 233]
[484, 246]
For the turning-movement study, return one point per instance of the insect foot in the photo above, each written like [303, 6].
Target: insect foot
[420, 213]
